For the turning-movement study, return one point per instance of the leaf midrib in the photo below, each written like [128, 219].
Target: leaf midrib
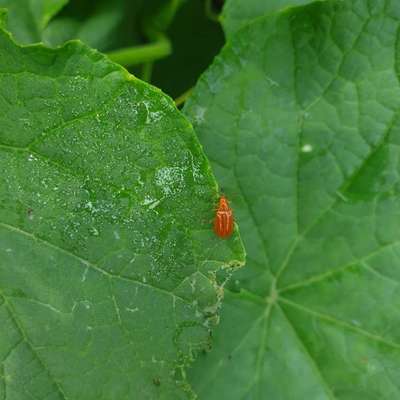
[254, 298]
[90, 264]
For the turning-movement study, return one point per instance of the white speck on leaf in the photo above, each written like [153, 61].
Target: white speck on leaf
[169, 179]
[148, 200]
[196, 172]
[84, 274]
[154, 205]
[152, 116]
[272, 82]
[94, 231]
[307, 148]
[87, 304]
[199, 113]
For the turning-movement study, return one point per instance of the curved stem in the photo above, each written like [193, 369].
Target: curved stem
[210, 12]
[183, 97]
[130, 56]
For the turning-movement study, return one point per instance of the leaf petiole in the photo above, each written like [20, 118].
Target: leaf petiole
[130, 56]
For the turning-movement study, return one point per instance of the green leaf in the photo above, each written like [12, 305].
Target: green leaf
[28, 18]
[107, 256]
[238, 13]
[131, 33]
[152, 19]
[96, 29]
[300, 117]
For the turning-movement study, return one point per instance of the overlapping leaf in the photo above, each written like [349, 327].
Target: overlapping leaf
[300, 117]
[97, 28]
[237, 13]
[107, 258]
[28, 18]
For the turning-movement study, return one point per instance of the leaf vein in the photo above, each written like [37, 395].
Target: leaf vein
[23, 334]
[307, 352]
[343, 324]
[90, 264]
[321, 277]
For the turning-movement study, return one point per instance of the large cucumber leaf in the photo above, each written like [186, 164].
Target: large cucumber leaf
[107, 256]
[300, 117]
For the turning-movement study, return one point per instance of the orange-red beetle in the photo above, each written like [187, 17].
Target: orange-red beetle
[223, 221]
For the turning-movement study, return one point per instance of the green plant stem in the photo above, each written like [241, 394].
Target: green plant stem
[210, 11]
[130, 56]
[147, 70]
[183, 97]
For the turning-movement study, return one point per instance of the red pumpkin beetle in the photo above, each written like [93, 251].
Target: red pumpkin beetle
[223, 221]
